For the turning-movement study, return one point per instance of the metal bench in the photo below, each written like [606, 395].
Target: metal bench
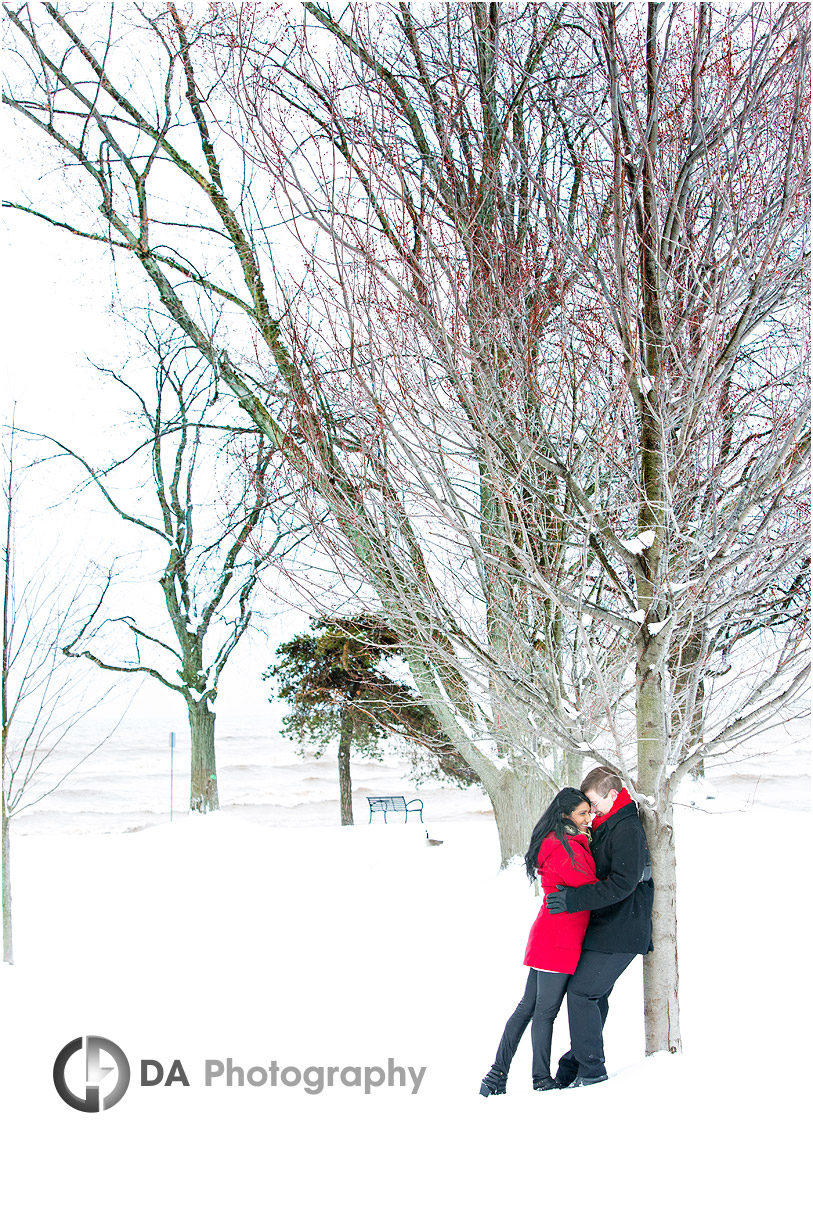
[394, 804]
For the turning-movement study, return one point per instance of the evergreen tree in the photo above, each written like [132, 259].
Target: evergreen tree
[338, 685]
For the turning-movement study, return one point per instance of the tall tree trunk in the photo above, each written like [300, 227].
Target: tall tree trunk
[345, 786]
[519, 797]
[203, 786]
[8, 954]
[661, 1011]
[569, 767]
[661, 966]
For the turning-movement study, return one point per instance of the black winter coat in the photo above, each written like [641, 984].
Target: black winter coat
[620, 902]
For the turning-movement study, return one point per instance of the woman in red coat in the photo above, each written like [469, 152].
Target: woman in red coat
[559, 852]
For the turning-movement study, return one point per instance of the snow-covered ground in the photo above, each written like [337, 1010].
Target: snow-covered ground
[267, 933]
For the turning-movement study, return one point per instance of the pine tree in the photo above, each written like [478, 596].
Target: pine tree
[337, 682]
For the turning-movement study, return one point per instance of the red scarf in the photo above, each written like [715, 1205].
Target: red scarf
[620, 801]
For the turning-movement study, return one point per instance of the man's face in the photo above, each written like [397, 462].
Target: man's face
[600, 804]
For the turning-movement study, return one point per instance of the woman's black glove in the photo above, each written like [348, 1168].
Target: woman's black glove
[556, 902]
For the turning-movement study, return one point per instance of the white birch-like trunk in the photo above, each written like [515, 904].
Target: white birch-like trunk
[661, 1011]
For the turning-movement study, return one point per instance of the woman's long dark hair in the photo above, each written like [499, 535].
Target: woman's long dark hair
[555, 821]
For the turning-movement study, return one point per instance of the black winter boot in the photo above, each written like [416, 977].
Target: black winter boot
[567, 1071]
[543, 1083]
[493, 1082]
[584, 1080]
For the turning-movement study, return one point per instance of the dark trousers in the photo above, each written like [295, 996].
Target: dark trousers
[542, 1000]
[588, 1000]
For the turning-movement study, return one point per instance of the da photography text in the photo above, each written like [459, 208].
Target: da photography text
[227, 1074]
[92, 1074]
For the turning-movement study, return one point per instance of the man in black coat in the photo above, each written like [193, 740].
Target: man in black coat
[620, 925]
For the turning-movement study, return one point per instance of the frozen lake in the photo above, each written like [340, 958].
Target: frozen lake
[125, 785]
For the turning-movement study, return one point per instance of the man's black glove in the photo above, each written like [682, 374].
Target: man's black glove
[557, 901]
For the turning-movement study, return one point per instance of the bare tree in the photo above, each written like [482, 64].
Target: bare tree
[429, 265]
[574, 321]
[124, 148]
[215, 551]
[44, 697]
[699, 285]
[539, 355]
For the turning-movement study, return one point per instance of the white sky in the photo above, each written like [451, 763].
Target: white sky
[58, 304]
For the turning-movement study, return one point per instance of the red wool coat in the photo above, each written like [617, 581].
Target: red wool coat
[555, 941]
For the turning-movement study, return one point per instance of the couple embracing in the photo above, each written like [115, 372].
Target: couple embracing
[589, 850]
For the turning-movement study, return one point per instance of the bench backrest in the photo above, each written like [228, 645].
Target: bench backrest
[379, 804]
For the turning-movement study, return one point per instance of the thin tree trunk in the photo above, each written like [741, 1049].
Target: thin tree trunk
[203, 794]
[685, 676]
[8, 954]
[345, 786]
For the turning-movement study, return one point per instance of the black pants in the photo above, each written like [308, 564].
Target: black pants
[542, 1000]
[588, 999]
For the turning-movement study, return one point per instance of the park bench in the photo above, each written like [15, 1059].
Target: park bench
[394, 804]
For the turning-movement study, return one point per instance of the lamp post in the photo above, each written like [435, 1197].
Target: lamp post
[171, 770]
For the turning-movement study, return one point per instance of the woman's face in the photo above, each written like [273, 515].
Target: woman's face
[580, 817]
